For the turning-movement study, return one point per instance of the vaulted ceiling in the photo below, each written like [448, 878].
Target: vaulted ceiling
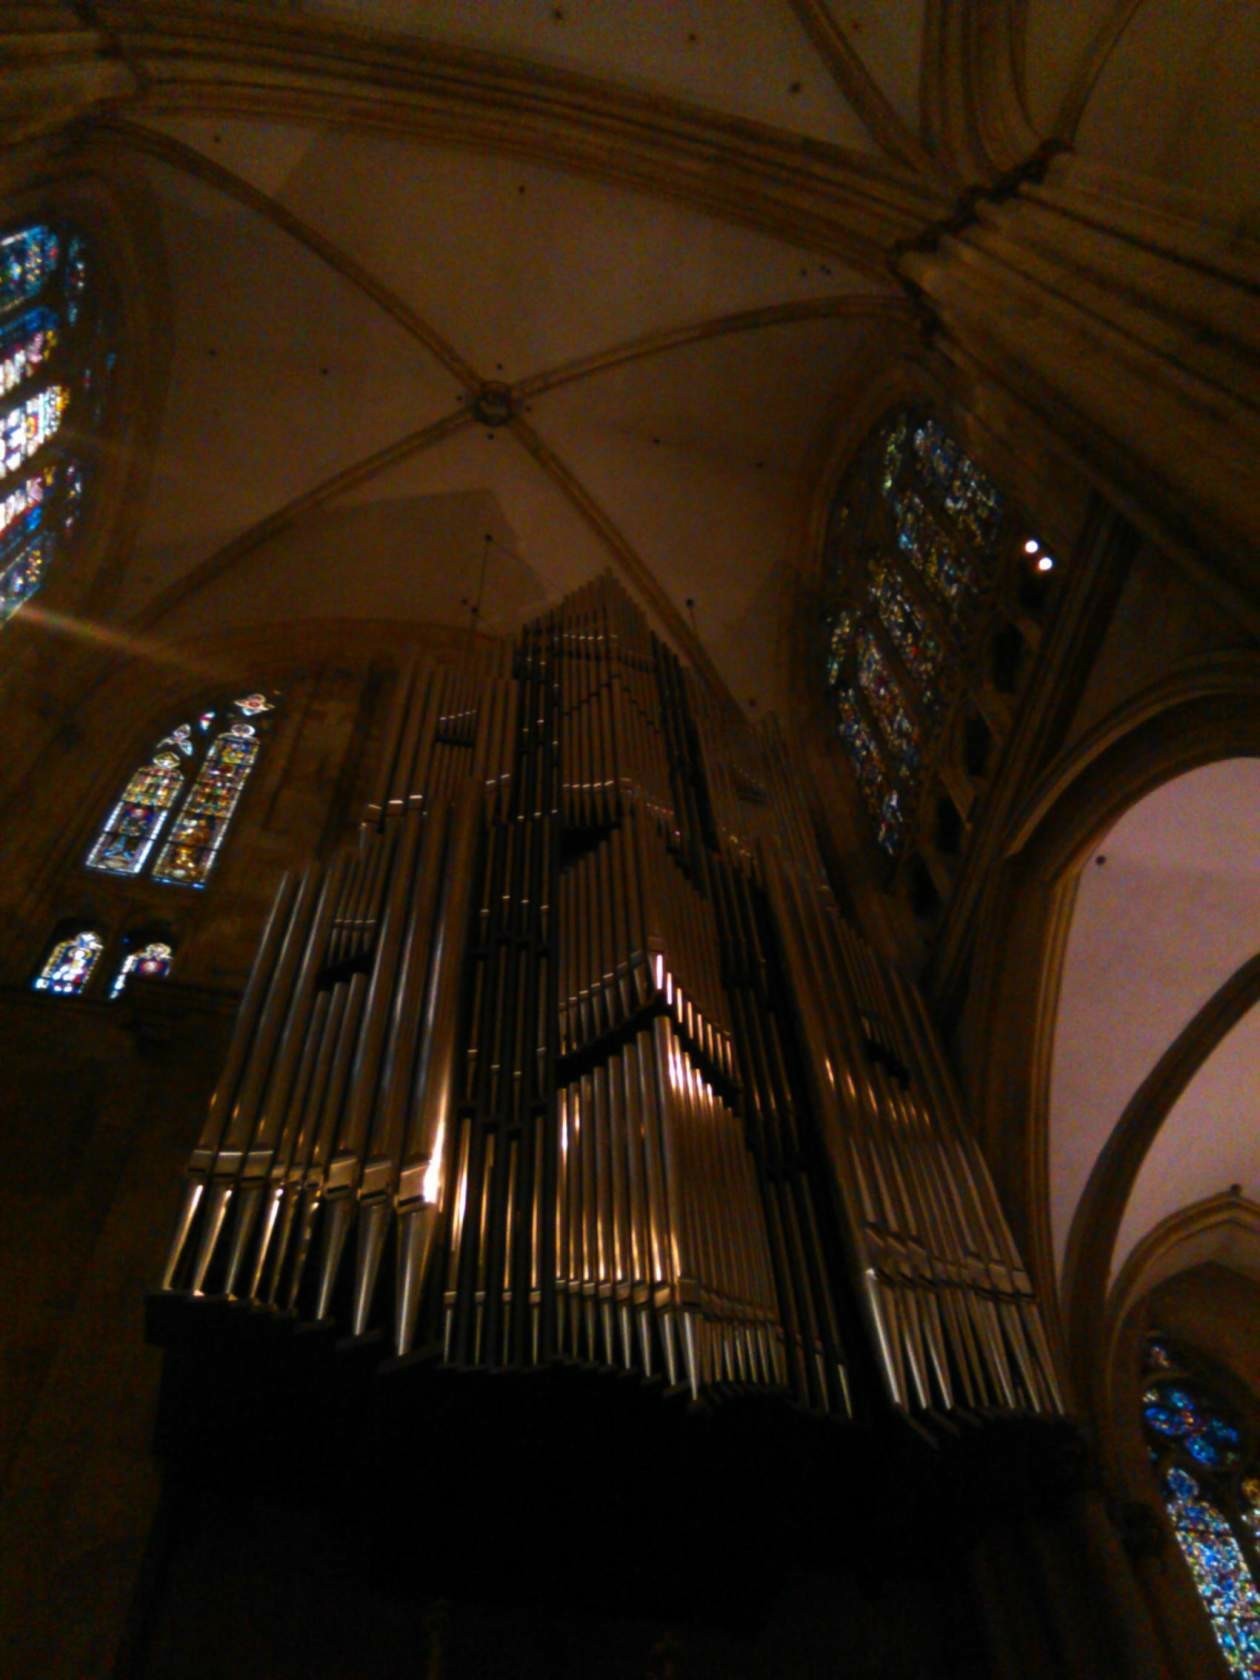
[464, 302]
[665, 232]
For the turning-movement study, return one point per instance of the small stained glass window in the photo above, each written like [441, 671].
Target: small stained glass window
[1211, 1488]
[174, 813]
[70, 964]
[149, 962]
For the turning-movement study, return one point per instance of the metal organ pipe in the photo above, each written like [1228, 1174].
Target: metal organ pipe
[576, 1018]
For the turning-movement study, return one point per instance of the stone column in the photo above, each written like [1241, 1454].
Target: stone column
[55, 75]
[1122, 316]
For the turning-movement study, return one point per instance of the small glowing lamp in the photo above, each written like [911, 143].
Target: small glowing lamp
[1045, 564]
[1031, 546]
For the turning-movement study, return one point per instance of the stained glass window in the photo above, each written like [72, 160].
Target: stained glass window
[150, 962]
[921, 651]
[914, 540]
[54, 366]
[198, 771]
[70, 964]
[25, 346]
[27, 260]
[124, 843]
[883, 698]
[189, 853]
[1211, 1489]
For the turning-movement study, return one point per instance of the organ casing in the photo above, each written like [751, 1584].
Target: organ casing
[570, 1057]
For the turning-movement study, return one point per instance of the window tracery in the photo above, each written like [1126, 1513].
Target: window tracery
[54, 365]
[197, 771]
[1209, 1477]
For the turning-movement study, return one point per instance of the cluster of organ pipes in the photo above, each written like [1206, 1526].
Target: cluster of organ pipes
[570, 1056]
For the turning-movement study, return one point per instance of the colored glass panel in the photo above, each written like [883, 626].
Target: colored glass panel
[892, 452]
[135, 822]
[70, 964]
[27, 259]
[23, 572]
[1178, 1412]
[25, 346]
[867, 761]
[193, 844]
[892, 822]
[28, 425]
[883, 696]
[914, 499]
[839, 640]
[920, 650]
[882, 799]
[151, 963]
[76, 277]
[971, 499]
[52, 329]
[20, 500]
[1219, 1569]
[941, 563]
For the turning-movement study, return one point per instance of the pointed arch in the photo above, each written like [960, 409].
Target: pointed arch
[198, 770]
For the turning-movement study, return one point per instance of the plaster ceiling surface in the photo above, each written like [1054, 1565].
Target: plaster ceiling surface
[408, 544]
[647, 340]
[889, 41]
[746, 58]
[1176, 98]
[1057, 40]
[279, 376]
[699, 456]
[413, 272]
[520, 267]
[1172, 913]
[1209, 1141]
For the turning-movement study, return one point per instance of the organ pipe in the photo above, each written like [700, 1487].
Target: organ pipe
[574, 1034]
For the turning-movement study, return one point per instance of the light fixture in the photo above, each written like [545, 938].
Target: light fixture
[1031, 546]
[1045, 564]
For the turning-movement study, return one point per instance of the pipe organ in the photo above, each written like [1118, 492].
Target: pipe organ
[570, 1057]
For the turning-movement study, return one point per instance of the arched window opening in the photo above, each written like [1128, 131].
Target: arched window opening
[148, 961]
[69, 965]
[197, 770]
[55, 359]
[1209, 1476]
[921, 550]
[130, 829]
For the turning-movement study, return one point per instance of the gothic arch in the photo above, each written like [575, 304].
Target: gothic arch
[1096, 1223]
[116, 218]
[1201, 713]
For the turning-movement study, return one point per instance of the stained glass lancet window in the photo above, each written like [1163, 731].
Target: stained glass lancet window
[151, 961]
[69, 965]
[132, 827]
[198, 771]
[1210, 1481]
[913, 541]
[55, 359]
